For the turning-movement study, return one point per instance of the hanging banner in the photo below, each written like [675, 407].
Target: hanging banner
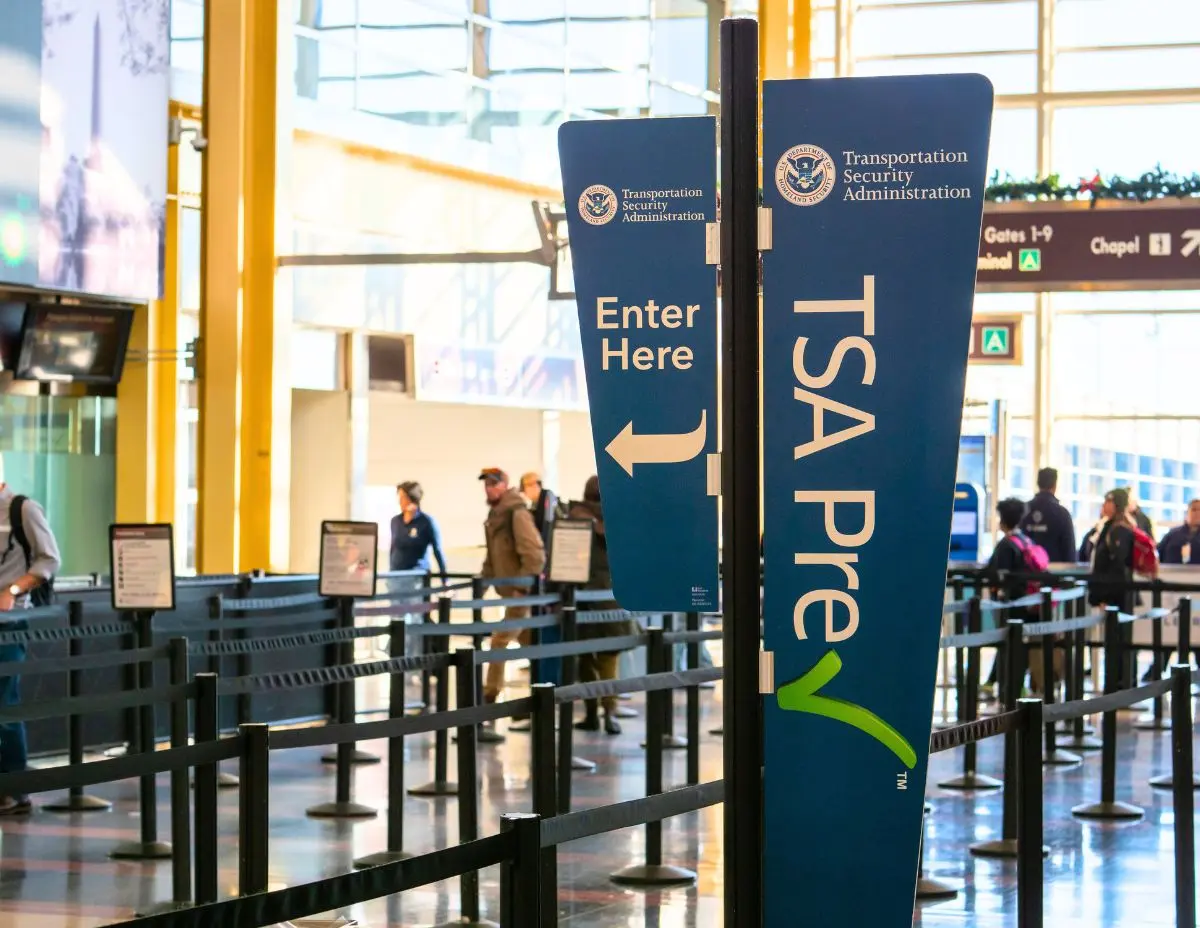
[641, 211]
[875, 187]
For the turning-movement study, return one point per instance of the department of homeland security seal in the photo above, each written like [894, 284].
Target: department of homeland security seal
[597, 204]
[805, 175]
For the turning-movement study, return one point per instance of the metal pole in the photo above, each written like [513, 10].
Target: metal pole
[544, 803]
[181, 835]
[1155, 722]
[566, 712]
[441, 784]
[1182, 799]
[1053, 756]
[206, 792]
[76, 799]
[468, 793]
[254, 809]
[693, 705]
[740, 482]
[968, 711]
[347, 697]
[1029, 830]
[521, 877]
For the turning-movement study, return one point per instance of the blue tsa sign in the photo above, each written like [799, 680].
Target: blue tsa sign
[641, 212]
[875, 187]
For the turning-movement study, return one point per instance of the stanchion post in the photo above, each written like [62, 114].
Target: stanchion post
[1081, 739]
[441, 784]
[1183, 800]
[478, 589]
[181, 836]
[544, 802]
[968, 711]
[1052, 756]
[740, 483]
[206, 793]
[254, 809]
[1108, 807]
[1185, 630]
[346, 695]
[1029, 829]
[521, 876]
[568, 673]
[960, 655]
[76, 799]
[693, 704]
[149, 847]
[244, 663]
[468, 785]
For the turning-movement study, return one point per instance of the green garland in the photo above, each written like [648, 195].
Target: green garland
[1153, 185]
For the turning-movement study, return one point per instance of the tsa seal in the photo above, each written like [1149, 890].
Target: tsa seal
[805, 175]
[598, 204]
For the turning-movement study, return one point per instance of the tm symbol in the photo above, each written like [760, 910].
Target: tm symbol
[902, 780]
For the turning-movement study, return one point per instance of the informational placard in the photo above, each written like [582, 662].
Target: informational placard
[142, 566]
[641, 211]
[875, 187]
[571, 551]
[348, 558]
[1075, 246]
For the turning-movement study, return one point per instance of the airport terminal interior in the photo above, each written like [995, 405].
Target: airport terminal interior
[312, 390]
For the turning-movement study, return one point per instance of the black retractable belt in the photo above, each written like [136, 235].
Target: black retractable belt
[1108, 807]
[76, 799]
[149, 847]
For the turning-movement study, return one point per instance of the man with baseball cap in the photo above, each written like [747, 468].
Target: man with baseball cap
[514, 549]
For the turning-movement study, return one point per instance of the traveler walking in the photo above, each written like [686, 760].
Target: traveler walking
[414, 533]
[514, 549]
[1047, 521]
[599, 666]
[28, 561]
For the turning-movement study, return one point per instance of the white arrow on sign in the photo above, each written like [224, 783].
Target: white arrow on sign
[1191, 242]
[628, 449]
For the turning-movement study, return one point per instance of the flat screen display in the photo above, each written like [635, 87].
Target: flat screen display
[964, 523]
[78, 344]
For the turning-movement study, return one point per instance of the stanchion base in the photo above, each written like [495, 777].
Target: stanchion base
[624, 712]
[579, 763]
[341, 810]
[1150, 723]
[653, 875]
[1068, 728]
[84, 803]
[141, 850]
[1057, 758]
[719, 732]
[436, 788]
[672, 743]
[971, 780]
[1108, 810]
[488, 735]
[1084, 743]
[358, 757]
[1001, 848]
[379, 859]
[523, 725]
[163, 908]
[928, 888]
[709, 685]
[414, 707]
[474, 923]
[1168, 782]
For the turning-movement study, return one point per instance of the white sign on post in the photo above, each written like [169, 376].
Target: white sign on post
[142, 564]
[348, 558]
[571, 551]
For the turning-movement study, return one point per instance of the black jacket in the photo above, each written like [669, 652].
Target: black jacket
[1113, 562]
[1008, 557]
[1170, 549]
[411, 542]
[1049, 524]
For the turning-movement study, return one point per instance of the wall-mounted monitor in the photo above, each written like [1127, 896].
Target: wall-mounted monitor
[73, 344]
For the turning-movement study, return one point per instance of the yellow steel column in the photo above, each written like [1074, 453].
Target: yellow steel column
[135, 424]
[258, 367]
[220, 361]
[785, 29]
[165, 373]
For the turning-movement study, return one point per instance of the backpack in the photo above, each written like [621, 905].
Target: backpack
[43, 593]
[1035, 557]
[1145, 555]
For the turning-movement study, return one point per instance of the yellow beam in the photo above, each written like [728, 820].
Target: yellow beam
[259, 367]
[785, 34]
[165, 374]
[220, 362]
[135, 427]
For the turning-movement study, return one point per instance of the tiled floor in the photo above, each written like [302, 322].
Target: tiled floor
[55, 872]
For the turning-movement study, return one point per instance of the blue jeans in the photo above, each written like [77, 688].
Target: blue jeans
[14, 750]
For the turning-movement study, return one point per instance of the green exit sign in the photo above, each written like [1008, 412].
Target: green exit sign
[996, 340]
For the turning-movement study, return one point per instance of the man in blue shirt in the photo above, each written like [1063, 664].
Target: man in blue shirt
[414, 533]
[1047, 521]
[1181, 545]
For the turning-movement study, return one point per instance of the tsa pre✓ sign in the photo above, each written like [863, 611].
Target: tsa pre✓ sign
[641, 205]
[875, 187]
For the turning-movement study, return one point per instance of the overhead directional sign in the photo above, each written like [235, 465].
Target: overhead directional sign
[875, 187]
[1076, 246]
[641, 212]
[995, 340]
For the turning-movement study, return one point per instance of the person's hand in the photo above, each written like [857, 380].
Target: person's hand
[7, 602]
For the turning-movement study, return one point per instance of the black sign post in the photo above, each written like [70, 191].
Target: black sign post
[740, 483]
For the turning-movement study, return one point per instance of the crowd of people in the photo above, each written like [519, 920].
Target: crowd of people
[516, 538]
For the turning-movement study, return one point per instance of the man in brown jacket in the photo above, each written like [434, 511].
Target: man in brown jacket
[514, 549]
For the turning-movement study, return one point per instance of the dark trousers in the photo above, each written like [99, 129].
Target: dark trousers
[14, 750]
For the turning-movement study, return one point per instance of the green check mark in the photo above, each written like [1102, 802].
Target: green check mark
[801, 696]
